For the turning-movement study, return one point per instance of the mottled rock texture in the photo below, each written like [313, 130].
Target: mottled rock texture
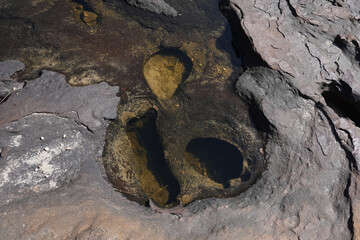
[43, 152]
[301, 61]
[310, 100]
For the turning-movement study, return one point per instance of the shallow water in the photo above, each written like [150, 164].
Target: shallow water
[183, 68]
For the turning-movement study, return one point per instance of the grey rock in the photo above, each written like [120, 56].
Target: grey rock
[350, 136]
[51, 94]
[156, 6]
[9, 86]
[303, 192]
[43, 152]
[8, 68]
[303, 181]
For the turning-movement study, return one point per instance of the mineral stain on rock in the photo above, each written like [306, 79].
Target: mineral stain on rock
[165, 70]
[84, 13]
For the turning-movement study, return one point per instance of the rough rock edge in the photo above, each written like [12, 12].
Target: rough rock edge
[9, 68]
[319, 49]
[156, 6]
[51, 94]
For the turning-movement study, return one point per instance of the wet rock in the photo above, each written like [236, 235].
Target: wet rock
[156, 6]
[309, 187]
[50, 93]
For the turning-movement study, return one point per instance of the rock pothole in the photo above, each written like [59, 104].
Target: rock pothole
[216, 159]
[183, 149]
[192, 137]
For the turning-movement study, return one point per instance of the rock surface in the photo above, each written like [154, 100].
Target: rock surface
[7, 69]
[303, 94]
[41, 152]
[156, 6]
[50, 93]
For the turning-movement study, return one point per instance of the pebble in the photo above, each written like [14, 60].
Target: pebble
[41, 138]
[47, 149]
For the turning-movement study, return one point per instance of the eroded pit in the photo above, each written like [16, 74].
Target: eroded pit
[165, 70]
[156, 179]
[159, 146]
[215, 158]
[182, 153]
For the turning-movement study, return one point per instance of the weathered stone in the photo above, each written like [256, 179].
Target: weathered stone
[8, 68]
[311, 148]
[304, 182]
[50, 93]
[44, 153]
[156, 6]
[9, 86]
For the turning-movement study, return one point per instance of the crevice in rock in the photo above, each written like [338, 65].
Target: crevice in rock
[241, 42]
[84, 12]
[155, 172]
[4, 98]
[340, 98]
[335, 3]
[350, 222]
[292, 9]
[340, 43]
[351, 49]
[351, 161]
[86, 6]
[258, 118]
[357, 51]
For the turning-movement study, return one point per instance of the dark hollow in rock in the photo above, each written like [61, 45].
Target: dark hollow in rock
[241, 42]
[159, 183]
[215, 158]
[340, 98]
[258, 118]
